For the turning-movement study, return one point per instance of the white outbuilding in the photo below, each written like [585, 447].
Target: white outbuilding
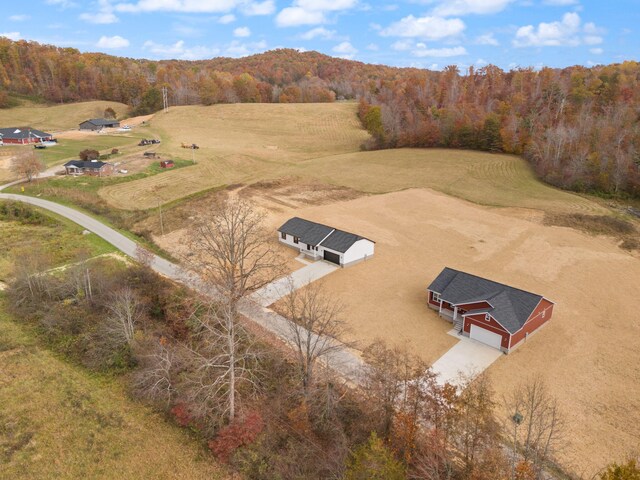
[319, 241]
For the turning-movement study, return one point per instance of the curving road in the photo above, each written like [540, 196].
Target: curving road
[344, 361]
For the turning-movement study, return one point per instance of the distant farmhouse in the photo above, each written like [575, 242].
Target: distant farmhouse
[489, 312]
[322, 242]
[99, 124]
[89, 167]
[23, 136]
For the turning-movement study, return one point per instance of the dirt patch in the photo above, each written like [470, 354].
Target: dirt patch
[625, 231]
[292, 192]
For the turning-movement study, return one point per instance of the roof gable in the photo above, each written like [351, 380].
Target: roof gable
[22, 132]
[100, 122]
[317, 234]
[511, 306]
[85, 164]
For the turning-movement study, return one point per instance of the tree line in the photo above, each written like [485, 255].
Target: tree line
[266, 409]
[577, 126]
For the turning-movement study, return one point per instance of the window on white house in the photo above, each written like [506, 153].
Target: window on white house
[436, 297]
[295, 239]
[283, 235]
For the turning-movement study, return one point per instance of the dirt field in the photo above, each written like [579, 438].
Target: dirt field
[587, 353]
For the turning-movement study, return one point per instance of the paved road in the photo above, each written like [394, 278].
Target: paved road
[345, 362]
[467, 355]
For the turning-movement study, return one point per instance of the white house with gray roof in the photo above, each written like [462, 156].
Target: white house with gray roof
[489, 312]
[319, 241]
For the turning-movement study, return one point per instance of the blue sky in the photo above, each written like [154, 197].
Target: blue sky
[420, 33]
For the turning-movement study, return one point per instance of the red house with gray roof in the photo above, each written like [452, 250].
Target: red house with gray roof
[489, 312]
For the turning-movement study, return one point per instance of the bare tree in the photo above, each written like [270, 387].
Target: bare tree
[232, 253]
[221, 362]
[144, 256]
[31, 283]
[540, 426]
[158, 363]
[27, 165]
[315, 325]
[124, 314]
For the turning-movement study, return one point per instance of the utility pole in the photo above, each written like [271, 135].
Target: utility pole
[165, 100]
[161, 222]
[193, 155]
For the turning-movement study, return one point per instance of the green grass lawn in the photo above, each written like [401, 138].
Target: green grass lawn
[60, 239]
[68, 149]
[59, 421]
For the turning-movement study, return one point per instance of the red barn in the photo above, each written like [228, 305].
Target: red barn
[489, 312]
[23, 135]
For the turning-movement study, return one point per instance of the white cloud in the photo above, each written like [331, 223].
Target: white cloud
[487, 39]
[62, 3]
[311, 12]
[567, 32]
[102, 18]
[325, 5]
[345, 50]
[561, 3]
[596, 51]
[294, 16]
[466, 7]
[318, 32]
[242, 32]
[11, 35]
[402, 45]
[183, 6]
[373, 47]
[180, 51]
[431, 28]
[104, 15]
[228, 18]
[237, 49]
[259, 8]
[19, 18]
[421, 50]
[112, 42]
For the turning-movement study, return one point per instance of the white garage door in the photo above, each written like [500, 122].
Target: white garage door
[485, 336]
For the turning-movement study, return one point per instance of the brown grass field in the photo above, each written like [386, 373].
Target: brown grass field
[53, 118]
[249, 143]
[587, 353]
[238, 144]
[57, 421]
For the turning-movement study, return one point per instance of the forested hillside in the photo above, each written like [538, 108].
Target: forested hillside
[577, 126]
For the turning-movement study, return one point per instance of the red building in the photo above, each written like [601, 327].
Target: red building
[23, 136]
[489, 312]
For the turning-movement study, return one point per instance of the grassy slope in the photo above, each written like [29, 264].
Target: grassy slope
[62, 240]
[53, 118]
[57, 421]
[240, 143]
[245, 143]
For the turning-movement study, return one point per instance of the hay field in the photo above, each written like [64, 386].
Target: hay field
[484, 178]
[240, 143]
[588, 351]
[53, 118]
[244, 143]
[58, 421]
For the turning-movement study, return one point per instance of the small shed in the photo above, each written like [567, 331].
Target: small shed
[319, 241]
[167, 164]
[150, 155]
[99, 124]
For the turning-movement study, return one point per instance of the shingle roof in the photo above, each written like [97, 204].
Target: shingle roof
[100, 122]
[22, 132]
[316, 234]
[85, 164]
[511, 307]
